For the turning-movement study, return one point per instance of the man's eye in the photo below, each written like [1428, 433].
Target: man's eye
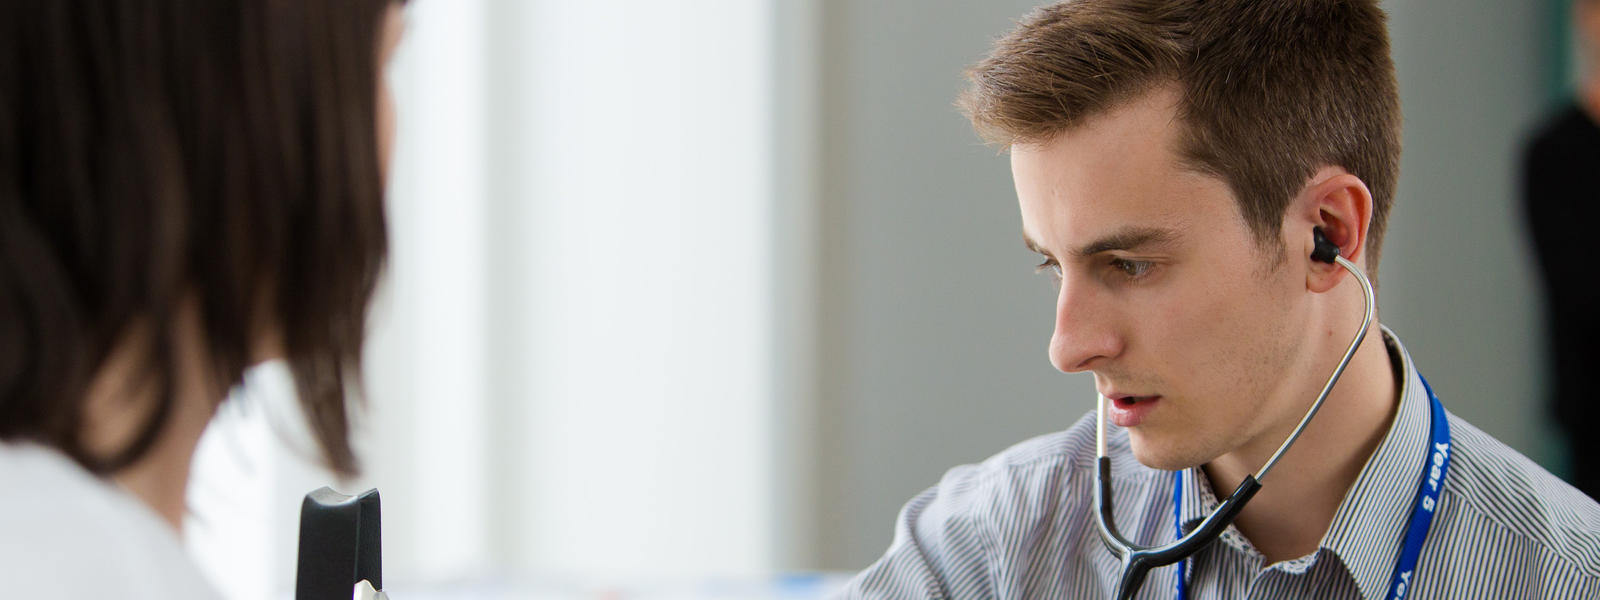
[1050, 265]
[1132, 269]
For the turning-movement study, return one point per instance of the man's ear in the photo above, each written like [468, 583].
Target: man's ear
[1339, 204]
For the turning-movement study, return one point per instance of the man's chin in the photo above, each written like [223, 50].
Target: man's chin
[1155, 455]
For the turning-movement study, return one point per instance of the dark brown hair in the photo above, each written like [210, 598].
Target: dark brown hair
[1271, 91]
[153, 151]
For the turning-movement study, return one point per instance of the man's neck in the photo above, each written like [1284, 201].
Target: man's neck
[1289, 516]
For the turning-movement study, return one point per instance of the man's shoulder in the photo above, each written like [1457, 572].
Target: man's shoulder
[972, 533]
[1054, 455]
[1510, 496]
[1046, 481]
[1072, 447]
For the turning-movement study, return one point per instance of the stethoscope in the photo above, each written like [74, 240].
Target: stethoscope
[1137, 561]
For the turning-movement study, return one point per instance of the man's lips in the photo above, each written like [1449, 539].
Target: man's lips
[1130, 411]
[1117, 395]
[1125, 401]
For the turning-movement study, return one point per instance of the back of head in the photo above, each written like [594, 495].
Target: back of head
[153, 153]
[1271, 91]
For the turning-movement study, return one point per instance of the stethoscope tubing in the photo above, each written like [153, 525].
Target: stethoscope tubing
[1137, 561]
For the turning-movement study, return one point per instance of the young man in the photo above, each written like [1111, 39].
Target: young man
[1172, 161]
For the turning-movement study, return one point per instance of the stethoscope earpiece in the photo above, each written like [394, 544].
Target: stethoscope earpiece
[1325, 250]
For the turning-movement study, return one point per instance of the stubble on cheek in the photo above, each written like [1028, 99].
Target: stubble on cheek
[1227, 356]
[1256, 363]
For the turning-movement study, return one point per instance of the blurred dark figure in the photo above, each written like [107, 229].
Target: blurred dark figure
[1560, 190]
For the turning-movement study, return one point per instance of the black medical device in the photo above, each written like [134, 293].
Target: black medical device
[340, 545]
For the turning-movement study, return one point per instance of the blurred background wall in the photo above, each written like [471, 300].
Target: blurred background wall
[711, 288]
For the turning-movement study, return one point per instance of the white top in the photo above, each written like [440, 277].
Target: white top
[65, 533]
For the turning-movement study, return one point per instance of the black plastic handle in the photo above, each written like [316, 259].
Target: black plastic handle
[1137, 561]
[340, 544]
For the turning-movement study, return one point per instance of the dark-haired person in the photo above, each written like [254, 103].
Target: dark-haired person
[1561, 202]
[186, 189]
[1172, 161]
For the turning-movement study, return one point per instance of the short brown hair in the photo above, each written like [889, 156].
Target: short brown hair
[152, 151]
[1271, 90]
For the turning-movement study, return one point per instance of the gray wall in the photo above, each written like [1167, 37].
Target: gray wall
[933, 324]
[1458, 279]
[932, 327]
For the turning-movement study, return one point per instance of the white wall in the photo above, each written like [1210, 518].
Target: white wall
[591, 331]
[572, 361]
[635, 359]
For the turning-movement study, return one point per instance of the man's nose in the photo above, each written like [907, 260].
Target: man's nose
[1084, 333]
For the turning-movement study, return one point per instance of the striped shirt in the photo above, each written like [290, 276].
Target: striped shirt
[1021, 525]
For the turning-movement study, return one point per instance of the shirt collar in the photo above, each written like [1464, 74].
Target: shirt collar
[1367, 527]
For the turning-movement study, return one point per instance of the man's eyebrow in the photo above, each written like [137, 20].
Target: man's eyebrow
[1128, 238]
[1032, 245]
[1124, 239]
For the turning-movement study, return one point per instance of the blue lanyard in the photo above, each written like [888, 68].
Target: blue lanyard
[1435, 466]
